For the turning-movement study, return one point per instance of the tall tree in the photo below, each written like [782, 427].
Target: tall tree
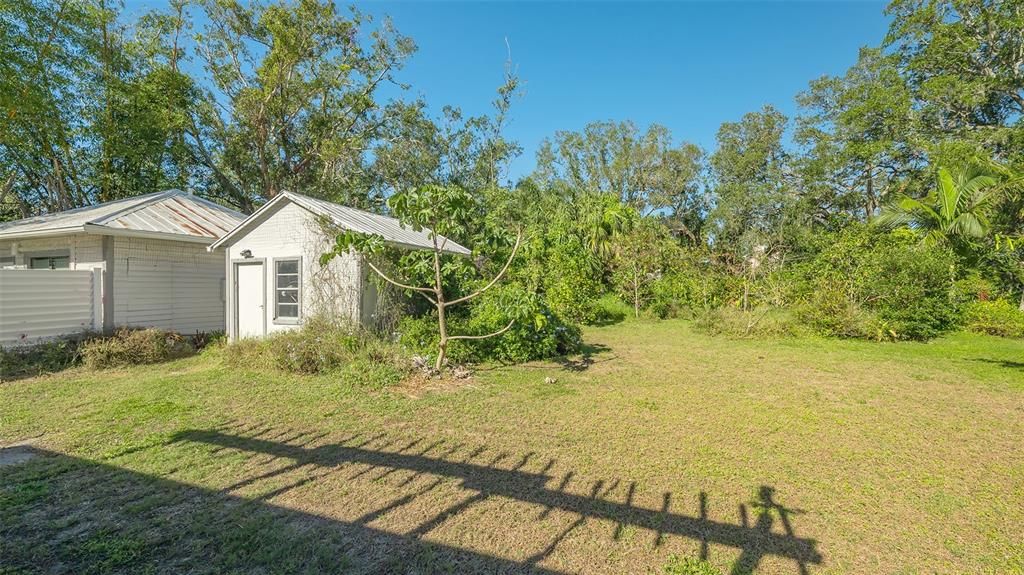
[293, 103]
[642, 169]
[858, 131]
[751, 181]
[964, 61]
[47, 57]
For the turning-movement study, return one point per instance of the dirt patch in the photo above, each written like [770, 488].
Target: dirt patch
[419, 384]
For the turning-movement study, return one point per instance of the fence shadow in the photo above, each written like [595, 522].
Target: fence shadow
[260, 534]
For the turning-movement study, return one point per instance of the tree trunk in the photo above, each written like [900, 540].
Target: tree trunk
[442, 326]
[871, 203]
[1021, 299]
[636, 299]
[442, 323]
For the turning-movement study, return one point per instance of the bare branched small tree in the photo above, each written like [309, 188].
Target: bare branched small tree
[441, 210]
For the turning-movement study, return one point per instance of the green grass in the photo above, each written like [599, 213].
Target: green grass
[659, 446]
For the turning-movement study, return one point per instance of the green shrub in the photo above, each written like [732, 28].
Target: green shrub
[998, 317]
[46, 357]
[681, 565]
[572, 282]
[610, 309]
[322, 346]
[134, 347]
[537, 333]
[869, 283]
[830, 311]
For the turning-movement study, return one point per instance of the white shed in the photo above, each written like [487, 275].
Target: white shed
[273, 265]
[138, 262]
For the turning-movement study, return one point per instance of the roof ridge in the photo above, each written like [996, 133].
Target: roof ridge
[152, 199]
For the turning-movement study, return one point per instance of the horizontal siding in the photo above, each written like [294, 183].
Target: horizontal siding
[292, 231]
[86, 251]
[40, 304]
[166, 284]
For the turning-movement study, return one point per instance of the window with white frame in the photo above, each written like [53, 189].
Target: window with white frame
[49, 261]
[286, 289]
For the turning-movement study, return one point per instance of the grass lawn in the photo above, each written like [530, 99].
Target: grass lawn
[781, 456]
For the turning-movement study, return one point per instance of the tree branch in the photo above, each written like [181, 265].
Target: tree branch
[384, 276]
[499, 332]
[512, 256]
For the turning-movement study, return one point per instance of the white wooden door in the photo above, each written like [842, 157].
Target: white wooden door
[250, 300]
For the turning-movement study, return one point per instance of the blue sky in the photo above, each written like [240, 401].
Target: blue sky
[689, 66]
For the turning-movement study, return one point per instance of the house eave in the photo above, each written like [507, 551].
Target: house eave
[108, 231]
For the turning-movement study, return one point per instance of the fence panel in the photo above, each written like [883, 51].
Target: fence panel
[42, 304]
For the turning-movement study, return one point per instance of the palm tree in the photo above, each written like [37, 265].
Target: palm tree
[955, 212]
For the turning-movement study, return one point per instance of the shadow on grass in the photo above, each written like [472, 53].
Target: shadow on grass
[587, 357]
[1007, 363]
[72, 515]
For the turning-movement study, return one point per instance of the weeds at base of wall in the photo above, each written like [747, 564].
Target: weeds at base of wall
[126, 347]
[129, 347]
[40, 359]
[324, 347]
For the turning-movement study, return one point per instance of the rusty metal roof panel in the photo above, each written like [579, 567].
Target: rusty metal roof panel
[171, 212]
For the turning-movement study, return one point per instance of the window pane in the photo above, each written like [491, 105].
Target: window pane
[60, 263]
[288, 310]
[39, 263]
[287, 280]
[288, 267]
[288, 296]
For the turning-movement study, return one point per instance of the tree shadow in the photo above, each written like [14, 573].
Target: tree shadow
[1007, 363]
[588, 356]
[76, 515]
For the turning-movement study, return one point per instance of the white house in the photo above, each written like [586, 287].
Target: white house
[273, 265]
[140, 261]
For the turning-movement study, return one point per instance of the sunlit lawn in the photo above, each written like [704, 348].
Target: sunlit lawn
[763, 456]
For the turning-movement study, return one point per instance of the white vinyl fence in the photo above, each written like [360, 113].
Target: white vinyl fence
[41, 304]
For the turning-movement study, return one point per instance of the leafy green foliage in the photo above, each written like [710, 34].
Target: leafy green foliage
[997, 317]
[955, 212]
[906, 285]
[538, 332]
[570, 282]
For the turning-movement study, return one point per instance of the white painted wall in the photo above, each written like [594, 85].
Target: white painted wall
[41, 304]
[168, 284]
[85, 250]
[172, 285]
[292, 231]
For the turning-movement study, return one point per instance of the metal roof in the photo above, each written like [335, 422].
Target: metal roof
[392, 230]
[171, 213]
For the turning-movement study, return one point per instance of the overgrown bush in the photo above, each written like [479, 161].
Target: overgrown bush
[134, 347]
[322, 346]
[998, 317]
[884, 285]
[760, 322]
[610, 309]
[46, 357]
[537, 333]
[572, 282]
